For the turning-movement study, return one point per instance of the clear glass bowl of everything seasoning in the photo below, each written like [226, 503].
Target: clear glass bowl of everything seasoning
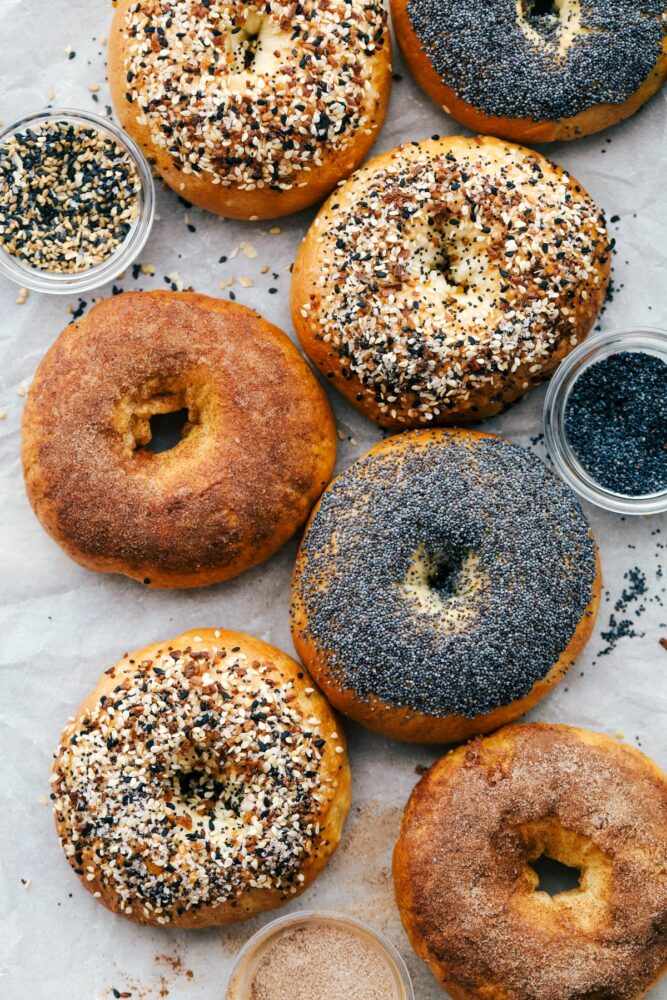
[138, 194]
[260, 951]
[601, 346]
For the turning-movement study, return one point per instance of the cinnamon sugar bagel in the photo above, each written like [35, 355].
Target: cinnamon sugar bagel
[469, 897]
[251, 110]
[535, 70]
[202, 782]
[446, 581]
[257, 449]
[446, 278]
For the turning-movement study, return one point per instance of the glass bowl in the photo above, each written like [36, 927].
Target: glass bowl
[41, 280]
[244, 967]
[647, 340]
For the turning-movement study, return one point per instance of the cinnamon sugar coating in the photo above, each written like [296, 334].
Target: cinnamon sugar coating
[468, 896]
[257, 450]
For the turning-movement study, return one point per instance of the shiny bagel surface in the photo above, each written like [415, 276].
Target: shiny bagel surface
[554, 74]
[257, 449]
[445, 583]
[469, 897]
[251, 111]
[446, 278]
[202, 782]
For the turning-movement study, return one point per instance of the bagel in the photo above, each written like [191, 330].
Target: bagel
[469, 897]
[251, 111]
[257, 449]
[535, 70]
[446, 278]
[445, 583]
[202, 782]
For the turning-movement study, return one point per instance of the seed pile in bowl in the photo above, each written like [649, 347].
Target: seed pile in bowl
[616, 422]
[69, 196]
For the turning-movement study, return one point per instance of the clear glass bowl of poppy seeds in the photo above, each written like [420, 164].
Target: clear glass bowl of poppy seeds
[76, 201]
[605, 420]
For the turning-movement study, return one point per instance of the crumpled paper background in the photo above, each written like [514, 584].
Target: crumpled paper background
[62, 625]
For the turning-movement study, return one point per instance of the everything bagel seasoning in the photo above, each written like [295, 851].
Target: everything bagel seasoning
[69, 196]
[454, 274]
[197, 778]
[252, 94]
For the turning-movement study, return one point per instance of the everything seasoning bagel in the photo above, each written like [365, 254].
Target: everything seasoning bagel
[251, 111]
[202, 782]
[448, 277]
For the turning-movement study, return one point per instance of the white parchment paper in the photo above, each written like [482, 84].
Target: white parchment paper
[61, 625]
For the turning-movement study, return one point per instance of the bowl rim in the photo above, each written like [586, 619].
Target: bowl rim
[279, 924]
[41, 280]
[646, 339]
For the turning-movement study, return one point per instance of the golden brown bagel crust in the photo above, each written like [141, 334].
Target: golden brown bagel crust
[586, 122]
[258, 450]
[464, 345]
[226, 189]
[403, 723]
[89, 856]
[467, 893]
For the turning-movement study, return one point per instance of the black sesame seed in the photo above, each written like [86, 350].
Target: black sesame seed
[68, 196]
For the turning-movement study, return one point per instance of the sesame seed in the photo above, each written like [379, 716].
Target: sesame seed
[197, 782]
[426, 293]
[68, 196]
[305, 90]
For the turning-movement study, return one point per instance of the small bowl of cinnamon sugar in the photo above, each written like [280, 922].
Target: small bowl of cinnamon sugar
[329, 955]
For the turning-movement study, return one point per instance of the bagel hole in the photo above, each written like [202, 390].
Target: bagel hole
[444, 264]
[202, 793]
[554, 876]
[250, 53]
[542, 15]
[167, 430]
[444, 576]
[248, 42]
[445, 584]
[538, 8]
